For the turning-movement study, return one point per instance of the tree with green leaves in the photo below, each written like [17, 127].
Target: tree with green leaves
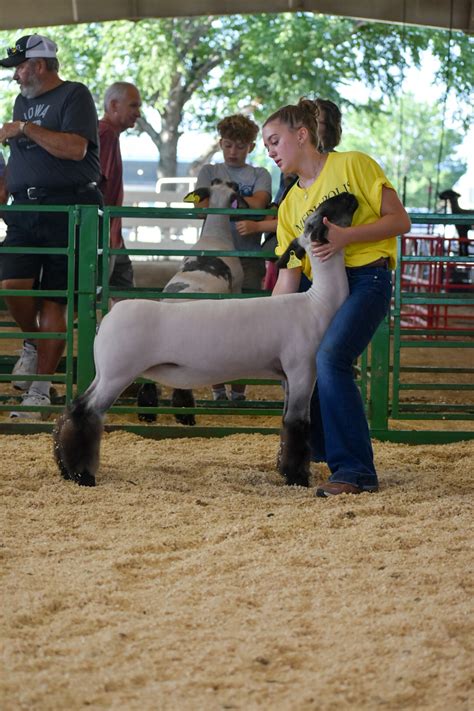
[407, 149]
[193, 71]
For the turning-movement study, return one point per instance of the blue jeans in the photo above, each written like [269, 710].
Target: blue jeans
[339, 429]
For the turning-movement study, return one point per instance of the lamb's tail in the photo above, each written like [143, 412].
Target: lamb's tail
[77, 437]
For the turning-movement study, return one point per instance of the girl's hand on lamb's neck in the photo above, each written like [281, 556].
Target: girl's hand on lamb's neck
[338, 238]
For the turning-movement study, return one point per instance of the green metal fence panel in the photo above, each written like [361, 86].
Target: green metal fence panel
[379, 377]
[86, 294]
[6, 362]
[434, 292]
[381, 368]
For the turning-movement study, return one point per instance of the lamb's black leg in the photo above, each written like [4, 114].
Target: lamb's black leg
[294, 455]
[184, 398]
[147, 397]
[76, 438]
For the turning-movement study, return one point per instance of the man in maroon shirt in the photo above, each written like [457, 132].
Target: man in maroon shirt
[121, 110]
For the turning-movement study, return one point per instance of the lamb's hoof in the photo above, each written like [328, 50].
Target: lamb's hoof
[64, 472]
[85, 478]
[188, 420]
[55, 397]
[82, 479]
[183, 398]
[146, 417]
[297, 479]
[147, 397]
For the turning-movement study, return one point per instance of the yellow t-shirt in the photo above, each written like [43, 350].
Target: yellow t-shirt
[351, 172]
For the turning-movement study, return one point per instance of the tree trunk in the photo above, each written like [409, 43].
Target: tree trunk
[205, 157]
[183, 84]
[168, 147]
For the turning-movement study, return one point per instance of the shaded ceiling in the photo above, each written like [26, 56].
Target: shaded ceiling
[435, 13]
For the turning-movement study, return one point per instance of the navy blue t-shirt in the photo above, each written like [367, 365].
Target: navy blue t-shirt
[67, 108]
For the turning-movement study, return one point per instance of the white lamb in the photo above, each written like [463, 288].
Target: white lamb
[196, 343]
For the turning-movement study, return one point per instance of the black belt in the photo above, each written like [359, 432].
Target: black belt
[40, 193]
[381, 263]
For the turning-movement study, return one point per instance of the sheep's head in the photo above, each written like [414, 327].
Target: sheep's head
[448, 195]
[338, 209]
[221, 194]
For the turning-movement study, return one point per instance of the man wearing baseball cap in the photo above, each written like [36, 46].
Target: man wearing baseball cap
[29, 47]
[54, 160]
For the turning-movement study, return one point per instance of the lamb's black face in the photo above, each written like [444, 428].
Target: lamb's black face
[448, 194]
[236, 200]
[338, 209]
[230, 184]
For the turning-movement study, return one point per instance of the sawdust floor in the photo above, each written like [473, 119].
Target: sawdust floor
[191, 578]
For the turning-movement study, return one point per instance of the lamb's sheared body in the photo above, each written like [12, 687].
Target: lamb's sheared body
[197, 343]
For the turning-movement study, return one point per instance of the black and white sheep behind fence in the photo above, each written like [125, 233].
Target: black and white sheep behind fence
[203, 275]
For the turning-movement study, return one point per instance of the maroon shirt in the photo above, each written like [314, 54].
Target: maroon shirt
[111, 183]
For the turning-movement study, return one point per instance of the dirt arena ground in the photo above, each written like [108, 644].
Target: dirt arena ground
[191, 578]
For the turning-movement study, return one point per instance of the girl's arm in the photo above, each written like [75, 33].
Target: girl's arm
[393, 220]
[288, 281]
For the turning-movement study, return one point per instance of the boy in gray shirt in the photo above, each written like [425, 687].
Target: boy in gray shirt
[237, 139]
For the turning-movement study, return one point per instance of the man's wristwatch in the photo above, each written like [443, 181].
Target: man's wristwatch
[22, 126]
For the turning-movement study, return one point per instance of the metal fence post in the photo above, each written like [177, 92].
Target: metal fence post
[86, 293]
[379, 378]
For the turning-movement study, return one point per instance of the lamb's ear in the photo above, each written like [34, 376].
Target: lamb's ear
[297, 250]
[197, 195]
[240, 202]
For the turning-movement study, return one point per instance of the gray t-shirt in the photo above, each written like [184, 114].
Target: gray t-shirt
[250, 180]
[68, 108]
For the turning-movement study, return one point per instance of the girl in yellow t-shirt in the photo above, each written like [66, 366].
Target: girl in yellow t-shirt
[294, 138]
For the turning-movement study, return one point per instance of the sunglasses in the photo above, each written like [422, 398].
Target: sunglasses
[11, 51]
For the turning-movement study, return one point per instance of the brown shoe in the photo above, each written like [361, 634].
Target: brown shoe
[336, 488]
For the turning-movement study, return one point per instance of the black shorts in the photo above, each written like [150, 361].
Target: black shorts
[41, 229]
